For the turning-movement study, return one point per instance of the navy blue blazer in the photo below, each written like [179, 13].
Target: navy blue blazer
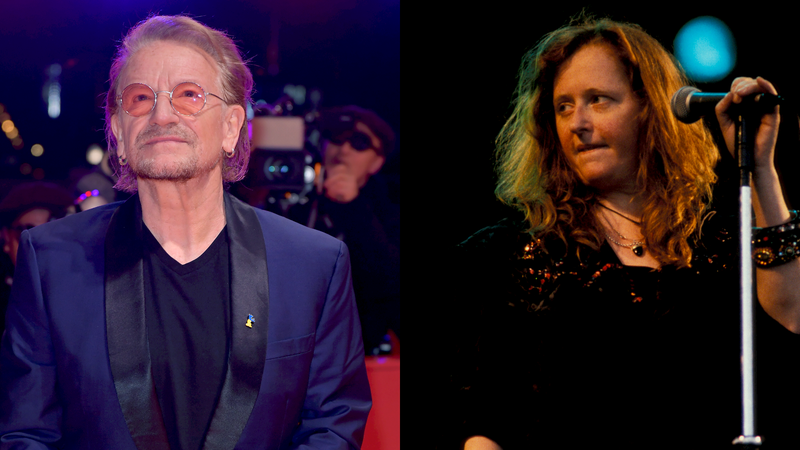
[75, 364]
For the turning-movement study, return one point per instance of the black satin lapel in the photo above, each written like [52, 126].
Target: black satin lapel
[126, 329]
[249, 297]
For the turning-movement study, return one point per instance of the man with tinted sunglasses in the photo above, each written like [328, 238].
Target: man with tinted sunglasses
[355, 205]
[181, 318]
[352, 152]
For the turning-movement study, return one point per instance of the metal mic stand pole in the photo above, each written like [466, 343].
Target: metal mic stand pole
[745, 142]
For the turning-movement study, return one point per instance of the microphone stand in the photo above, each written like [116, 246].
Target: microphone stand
[745, 142]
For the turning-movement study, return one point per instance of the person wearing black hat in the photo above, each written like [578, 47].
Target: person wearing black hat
[354, 205]
[26, 206]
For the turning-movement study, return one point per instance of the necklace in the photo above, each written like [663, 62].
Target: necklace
[637, 247]
[619, 214]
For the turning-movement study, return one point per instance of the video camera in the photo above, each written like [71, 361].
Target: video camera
[285, 152]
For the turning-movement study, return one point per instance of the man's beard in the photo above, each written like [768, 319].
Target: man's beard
[184, 168]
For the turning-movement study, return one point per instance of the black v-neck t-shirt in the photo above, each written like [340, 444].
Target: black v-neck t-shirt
[187, 309]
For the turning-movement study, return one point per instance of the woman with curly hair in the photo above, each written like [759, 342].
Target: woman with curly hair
[609, 314]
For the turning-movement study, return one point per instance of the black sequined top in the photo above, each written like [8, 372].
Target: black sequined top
[557, 352]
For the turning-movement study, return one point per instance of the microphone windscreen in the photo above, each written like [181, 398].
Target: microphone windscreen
[680, 105]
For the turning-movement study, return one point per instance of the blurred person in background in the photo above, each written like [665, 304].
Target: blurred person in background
[354, 205]
[97, 187]
[26, 206]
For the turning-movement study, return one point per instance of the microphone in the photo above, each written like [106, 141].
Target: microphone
[689, 104]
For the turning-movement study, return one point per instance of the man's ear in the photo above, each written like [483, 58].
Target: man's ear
[235, 117]
[376, 164]
[116, 129]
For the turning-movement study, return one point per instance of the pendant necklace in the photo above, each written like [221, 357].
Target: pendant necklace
[637, 247]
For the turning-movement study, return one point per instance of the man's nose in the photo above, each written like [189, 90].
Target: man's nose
[163, 113]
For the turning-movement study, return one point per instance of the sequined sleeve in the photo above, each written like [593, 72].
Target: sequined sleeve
[524, 274]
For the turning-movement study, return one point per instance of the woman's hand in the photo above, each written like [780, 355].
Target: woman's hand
[481, 443]
[767, 133]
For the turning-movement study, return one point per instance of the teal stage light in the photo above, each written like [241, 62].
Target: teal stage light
[706, 49]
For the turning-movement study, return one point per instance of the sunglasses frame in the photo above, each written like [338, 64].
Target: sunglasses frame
[337, 140]
[170, 92]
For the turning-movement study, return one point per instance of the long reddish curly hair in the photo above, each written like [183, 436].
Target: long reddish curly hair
[676, 161]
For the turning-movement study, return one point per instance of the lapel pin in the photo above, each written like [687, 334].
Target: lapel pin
[250, 321]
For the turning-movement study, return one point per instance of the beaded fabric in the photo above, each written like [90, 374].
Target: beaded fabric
[777, 245]
[542, 268]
